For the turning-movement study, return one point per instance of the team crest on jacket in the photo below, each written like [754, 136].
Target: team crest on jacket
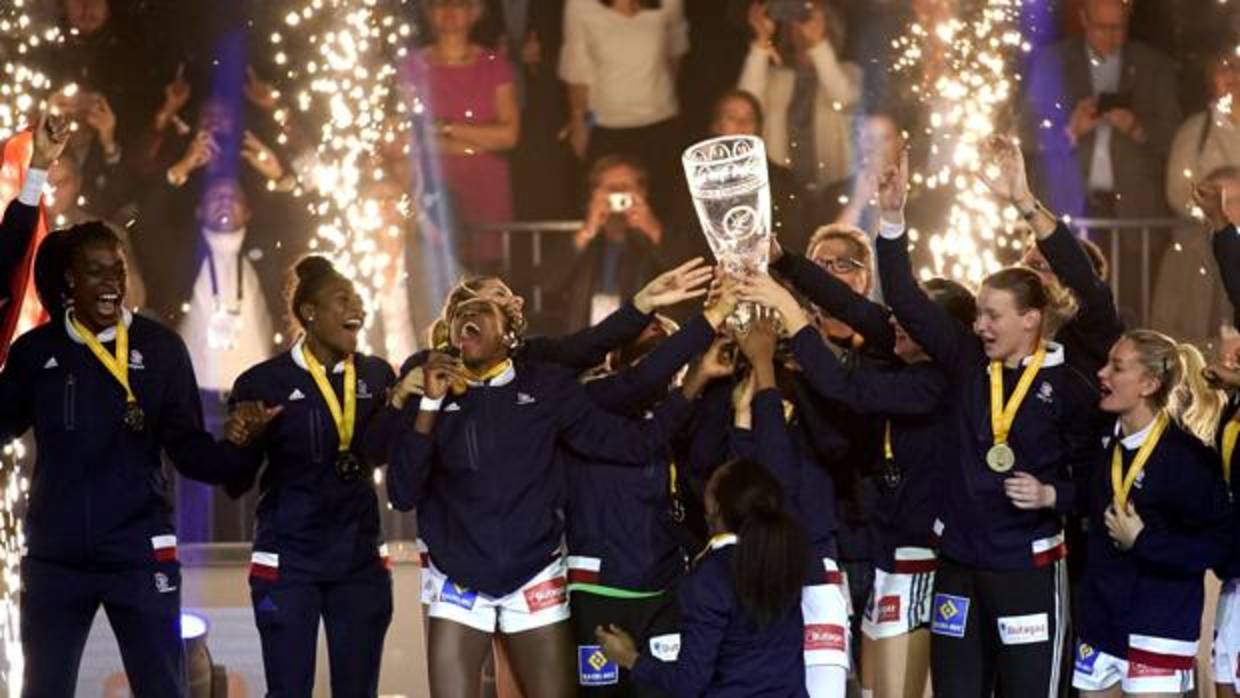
[1046, 393]
[363, 390]
[162, 584]
[594, 668]
[135, 359]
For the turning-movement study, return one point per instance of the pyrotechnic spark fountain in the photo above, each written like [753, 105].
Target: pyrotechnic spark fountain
[341, 56]
[965, 100]
[22, 88]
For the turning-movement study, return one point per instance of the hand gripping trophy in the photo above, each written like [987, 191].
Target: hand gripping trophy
[732, 195]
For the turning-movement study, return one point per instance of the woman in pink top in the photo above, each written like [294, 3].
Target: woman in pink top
[470, 92]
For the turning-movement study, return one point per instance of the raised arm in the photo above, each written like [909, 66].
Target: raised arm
[412, 450]
[943, 339]
[871, 320]
[1220, 203]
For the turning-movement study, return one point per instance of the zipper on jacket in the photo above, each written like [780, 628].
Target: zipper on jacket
[70, 415]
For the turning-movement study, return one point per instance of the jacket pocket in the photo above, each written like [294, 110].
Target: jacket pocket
[70, 403]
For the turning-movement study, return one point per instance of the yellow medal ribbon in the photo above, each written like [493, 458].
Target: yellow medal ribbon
[888, 452]
[346, 418]
[1230, 433]
[494, 372]
[1121, 484]
[1002, 416]
[117, 365]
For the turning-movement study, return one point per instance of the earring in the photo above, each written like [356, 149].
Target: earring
[309, 319]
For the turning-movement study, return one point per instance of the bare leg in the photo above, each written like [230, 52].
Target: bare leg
[455, 653]
[542, 660]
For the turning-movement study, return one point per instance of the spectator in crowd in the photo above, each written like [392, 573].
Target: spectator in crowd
[1206, 146]
[99, 55]
[617, 250]
[1209, 139]
[470, 91]
[96, 152]
[739, 113]
[880, 140]
[807, 92]
[620, 60]
[65, 208]
[1100, 111]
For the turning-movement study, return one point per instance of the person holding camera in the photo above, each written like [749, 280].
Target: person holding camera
[807, 92]
[617, 249]
[1098, 114]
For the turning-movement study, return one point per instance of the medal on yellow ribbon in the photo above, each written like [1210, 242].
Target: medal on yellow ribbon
[348, 467]
[1121, 484]
[1001, 458]
[117, 365]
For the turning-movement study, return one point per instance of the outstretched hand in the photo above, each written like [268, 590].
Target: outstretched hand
[892, 187]
[247, 421]
[50, 136]
[1004, 171]
[686, 281]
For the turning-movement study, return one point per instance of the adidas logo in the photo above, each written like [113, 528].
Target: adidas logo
[525, 399]
[52, 363]
[296, 395]
[452, 407]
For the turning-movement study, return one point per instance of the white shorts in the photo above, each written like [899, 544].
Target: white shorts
[825, 610]
[900, 601]
[1226, 652]
[1095, 670]
[540, 602]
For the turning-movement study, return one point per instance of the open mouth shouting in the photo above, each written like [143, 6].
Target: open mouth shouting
[108, 304]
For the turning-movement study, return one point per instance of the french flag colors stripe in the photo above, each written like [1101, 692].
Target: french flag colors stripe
[265, 566]
[165, 548]
[912, 560]
[583, 570]
[1161, 653]
[1048, 550]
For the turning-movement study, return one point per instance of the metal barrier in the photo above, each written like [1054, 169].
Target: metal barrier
[1109, 234]
[1152, 233]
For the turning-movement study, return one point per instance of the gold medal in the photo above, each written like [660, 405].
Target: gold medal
[348, 468]
[1001, 458]
[135, 418]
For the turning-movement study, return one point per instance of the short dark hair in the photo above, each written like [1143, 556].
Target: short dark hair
[612, 162]
[746, 97]
[55, 255]
[953, 297]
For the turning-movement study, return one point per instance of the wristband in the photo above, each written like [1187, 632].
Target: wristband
[32, 188]
[430, 404]
[890, 231]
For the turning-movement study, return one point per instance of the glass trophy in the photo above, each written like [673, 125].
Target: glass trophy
[732, 196]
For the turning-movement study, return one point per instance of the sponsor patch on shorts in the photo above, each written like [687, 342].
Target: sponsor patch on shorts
[665, 648]
[889, 609]
[548, 594]
[594, 668]
[824, 636]
[1024, 630]
[951, 615]
[1145, 671]
[457, 595]
[1086, 658]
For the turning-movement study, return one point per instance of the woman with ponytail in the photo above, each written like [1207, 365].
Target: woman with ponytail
[318, 550]
[1022, 422]
[741, 629]
[1159, 514]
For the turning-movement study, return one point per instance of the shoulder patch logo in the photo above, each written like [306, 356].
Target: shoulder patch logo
[52, 363]
[296, 395]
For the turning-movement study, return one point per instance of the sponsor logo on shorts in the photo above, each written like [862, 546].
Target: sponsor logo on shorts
[1086, 658]
[823, 636]
[951, 615]
[457, 595]
[665, 648]
[548, 594]
[1145, 671]
[594, 668]
[1024, 630]
[889, 609]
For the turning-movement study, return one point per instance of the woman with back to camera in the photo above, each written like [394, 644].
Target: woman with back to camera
[318, 551]
[1023, 422]
[741, 632]
[480, 464]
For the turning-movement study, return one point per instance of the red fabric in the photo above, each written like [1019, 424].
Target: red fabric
[23, 300]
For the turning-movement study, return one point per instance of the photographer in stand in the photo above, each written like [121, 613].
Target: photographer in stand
[618, 249]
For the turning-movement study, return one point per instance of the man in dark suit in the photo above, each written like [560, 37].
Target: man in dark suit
[1100, 113]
